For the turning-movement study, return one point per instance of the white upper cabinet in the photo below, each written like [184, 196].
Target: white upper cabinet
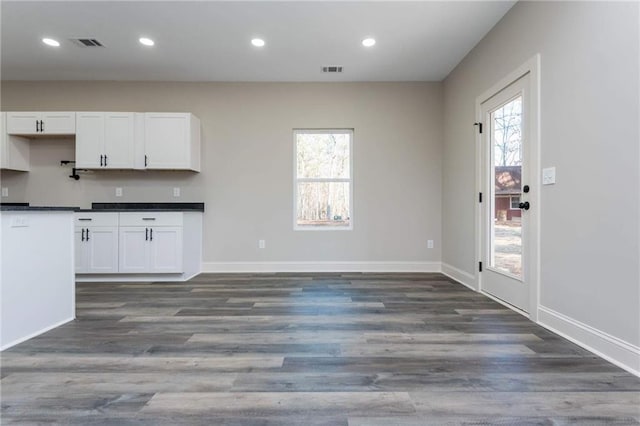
[172, 141]
[105, 140]
[41, 123]
[14, 150]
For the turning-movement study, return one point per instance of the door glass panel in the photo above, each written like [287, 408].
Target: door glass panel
[506, 225]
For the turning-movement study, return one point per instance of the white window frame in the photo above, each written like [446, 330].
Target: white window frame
[511, 197]
[297, 180]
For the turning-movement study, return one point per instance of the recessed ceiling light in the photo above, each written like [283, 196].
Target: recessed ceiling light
[51, 42]
[368, 42]
[257, 42]
[146, 41]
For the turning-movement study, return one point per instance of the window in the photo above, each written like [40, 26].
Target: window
[515, 202]
[323, 187]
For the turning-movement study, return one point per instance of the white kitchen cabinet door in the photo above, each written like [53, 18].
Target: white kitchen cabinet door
[134, 249]
[58, 123]
[14, 150]
[81, 251]
[166, 249]
[90, 140]
[102, 248]
[119, 140]
[172, 141]
[41, 123]
[23, 123]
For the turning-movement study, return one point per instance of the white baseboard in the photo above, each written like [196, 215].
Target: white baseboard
[459, 275]
[137, 278]
[251, 267]
[615, 350]
[37, 333]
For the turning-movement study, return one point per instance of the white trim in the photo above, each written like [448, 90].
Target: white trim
[324, 266]
[117, 277]
[296, 180]
[37, 333]
[617, 351]
[464, 278]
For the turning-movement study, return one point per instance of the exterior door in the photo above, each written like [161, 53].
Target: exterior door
[506, 191]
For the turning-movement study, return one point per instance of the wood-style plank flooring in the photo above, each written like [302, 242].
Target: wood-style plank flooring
[306, 349]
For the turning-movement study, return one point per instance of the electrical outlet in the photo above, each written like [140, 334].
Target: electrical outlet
[19, 222]
[261, 244]
[118, 192]
[5, 192]
[176, 192]
[430, 244]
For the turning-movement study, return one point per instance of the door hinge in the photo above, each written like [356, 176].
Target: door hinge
[479, 266]
[479, 126]
[480, 197]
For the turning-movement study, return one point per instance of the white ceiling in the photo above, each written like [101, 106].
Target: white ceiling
[210, 41]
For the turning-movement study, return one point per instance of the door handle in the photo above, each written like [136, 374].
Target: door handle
[82, 235]
[524, 206]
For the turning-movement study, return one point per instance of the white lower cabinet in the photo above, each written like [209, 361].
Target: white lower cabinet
[151, 249]
[139, 243]
[96, 242]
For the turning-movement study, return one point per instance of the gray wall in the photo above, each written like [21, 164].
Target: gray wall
[589, 131]
[247, 177]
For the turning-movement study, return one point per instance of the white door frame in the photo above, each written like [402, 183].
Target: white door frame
[531, 67]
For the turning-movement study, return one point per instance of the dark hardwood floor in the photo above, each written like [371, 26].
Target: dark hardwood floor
[320, 349]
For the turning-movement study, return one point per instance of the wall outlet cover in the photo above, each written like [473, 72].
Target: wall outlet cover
[430, 244]
[5, 192]
[176, 192]
[262, 244]
[118, 192]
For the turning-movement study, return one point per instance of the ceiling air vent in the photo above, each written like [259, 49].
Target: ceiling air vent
[87, 42]
[332, 68]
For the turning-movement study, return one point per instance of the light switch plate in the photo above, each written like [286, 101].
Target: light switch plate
[5, 192]
[118, 192]
[549, 176]
[261, 244]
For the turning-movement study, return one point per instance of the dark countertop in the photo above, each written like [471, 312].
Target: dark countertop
[22, 208]
[155, 207]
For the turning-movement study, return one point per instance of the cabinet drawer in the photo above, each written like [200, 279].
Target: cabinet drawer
[151, 219]
[96, 219]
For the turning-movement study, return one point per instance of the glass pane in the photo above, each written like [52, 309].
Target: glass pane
[323, 155]
[323, 204]
[506, 241]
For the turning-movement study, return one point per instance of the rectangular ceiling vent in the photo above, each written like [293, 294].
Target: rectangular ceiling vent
[87, 42]
[332, 68]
